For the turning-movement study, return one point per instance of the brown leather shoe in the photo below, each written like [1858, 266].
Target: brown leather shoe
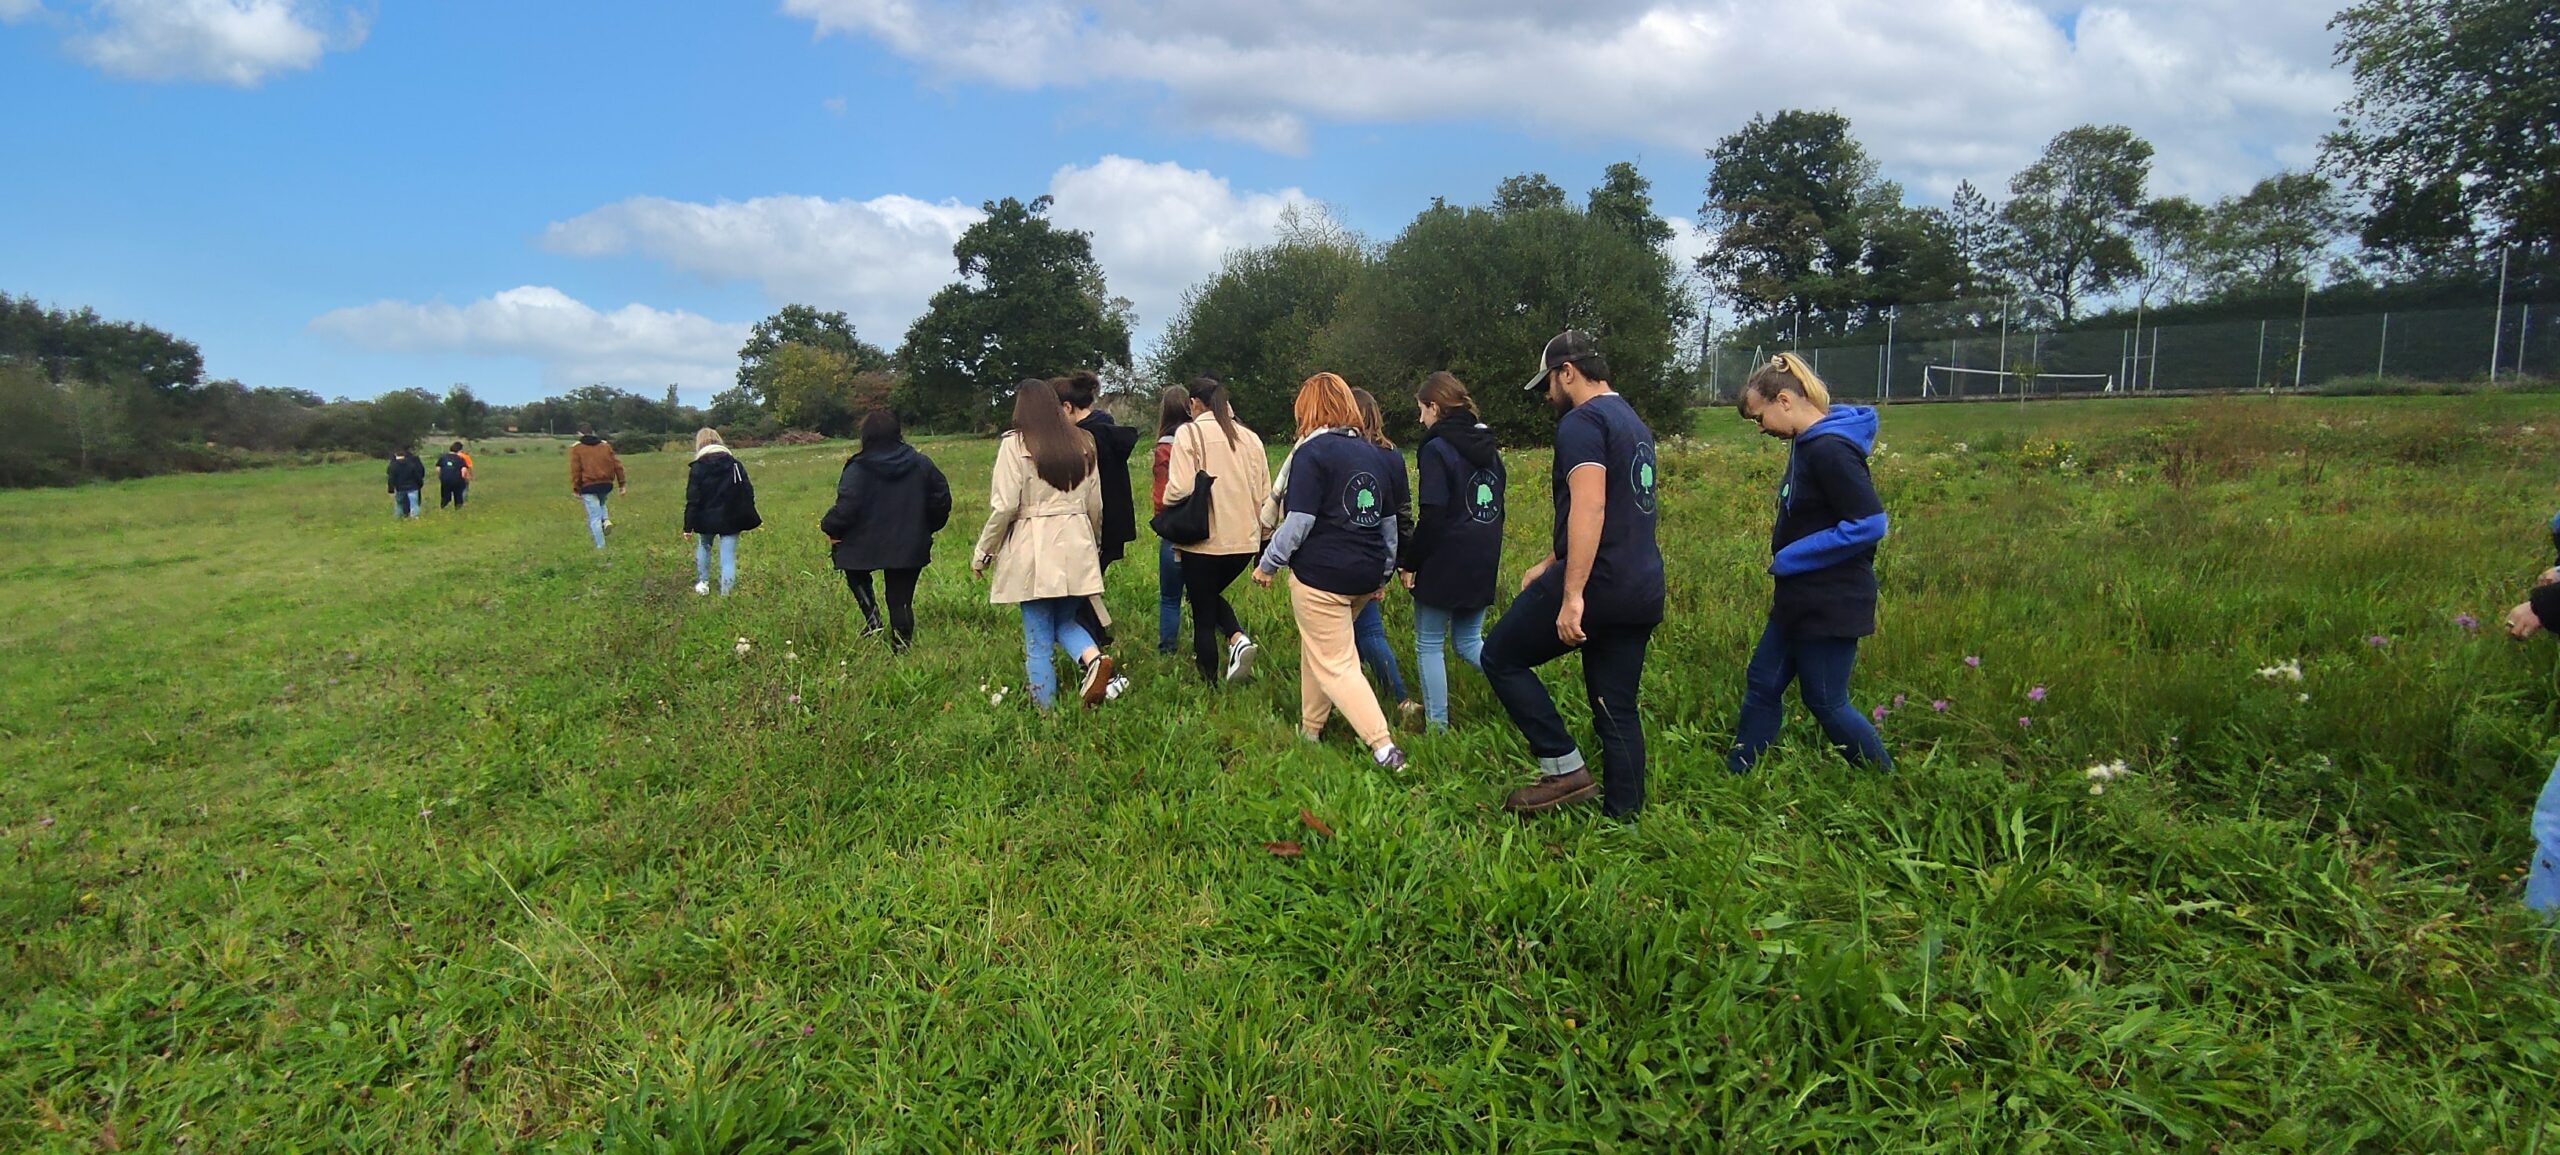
[1097, 680]
[1548, 793]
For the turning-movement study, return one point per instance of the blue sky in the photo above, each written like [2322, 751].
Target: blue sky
[527, 197]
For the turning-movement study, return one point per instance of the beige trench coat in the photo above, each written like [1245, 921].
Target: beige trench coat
[1235, 502]
[1038, 542]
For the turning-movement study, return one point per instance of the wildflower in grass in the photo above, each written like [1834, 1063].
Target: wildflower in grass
[744, 647]
[1897, 701]
[2469, 624]
[1973, 661]
[795, 699]
[2107, 771]
[1879, 713]
[2036, 694]
[2026, 723]
[45, 823]
[2378, 642]
[2289, 670]
[428, 812]
[2304, 698]
[1940, 705]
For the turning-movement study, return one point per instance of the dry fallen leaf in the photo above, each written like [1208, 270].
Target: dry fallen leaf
[1308, 819]
[1282, 849]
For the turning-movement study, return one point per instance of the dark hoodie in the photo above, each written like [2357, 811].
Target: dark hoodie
[890, 501]
[718, 498]
[1457, 544]
[1829, 521]
[406, 472]
[1112, 442]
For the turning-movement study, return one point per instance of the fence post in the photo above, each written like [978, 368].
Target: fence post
[2382, 351]
[2498, 328]
[2302, 335]
[2154, 386]
[2524, 336]
[1888, 352]
[2258, 380]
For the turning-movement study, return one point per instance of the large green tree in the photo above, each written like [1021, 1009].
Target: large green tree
[2073, 214]
[1785, 201]
[1253, 324]
[802, 325]
[2279, 238]
[1477, 291]
[1030, 302]
[2453, 132]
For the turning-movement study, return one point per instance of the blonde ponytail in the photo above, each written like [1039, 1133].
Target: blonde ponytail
[1785, 373]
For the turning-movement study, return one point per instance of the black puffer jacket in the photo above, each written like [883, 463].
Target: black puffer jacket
[406, 472]
[889, 503]
[1112, 442]
[1457, 544]
[718, 498]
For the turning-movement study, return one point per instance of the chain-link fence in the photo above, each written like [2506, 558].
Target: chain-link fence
[2426, 345]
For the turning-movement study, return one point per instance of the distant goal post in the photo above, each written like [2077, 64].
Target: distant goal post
[1958, 381]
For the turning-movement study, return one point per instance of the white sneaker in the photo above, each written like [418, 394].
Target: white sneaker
[702, 589]
[1118, 685]
[608, 525]
[1240, 655]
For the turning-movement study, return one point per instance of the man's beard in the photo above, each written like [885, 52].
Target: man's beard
[1558, 401]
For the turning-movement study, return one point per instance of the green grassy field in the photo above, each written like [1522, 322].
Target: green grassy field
[326, 832]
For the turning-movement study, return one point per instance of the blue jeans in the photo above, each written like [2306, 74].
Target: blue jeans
[1047, 623]
[1369, 633]
[1433, 629]
[595, 516]
[728, 560]
[1820, 669]
[1168, 597]
[2542, 880]
[406, 503]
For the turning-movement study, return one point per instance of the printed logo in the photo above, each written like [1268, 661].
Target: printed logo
[1484, 502]
[1364, 500]
[1640, 476]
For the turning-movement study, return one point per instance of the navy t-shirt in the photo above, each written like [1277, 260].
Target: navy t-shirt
[1345, 484]
[1626, 575]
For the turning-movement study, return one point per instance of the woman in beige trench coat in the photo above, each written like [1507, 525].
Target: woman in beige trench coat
[1037, 549]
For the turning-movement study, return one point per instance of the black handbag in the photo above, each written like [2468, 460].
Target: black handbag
[1186, 522]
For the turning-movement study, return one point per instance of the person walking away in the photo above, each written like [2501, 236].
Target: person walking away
[1338, 542]
[1598, 592]
[890, 501]
[1232, 457]
[407, 477]
[453, 477]
[1456, 546]
[1173, 411]
[719, 505]
[1823, 549]
[1369, 630]
[1037, 549]
[595, 473]
[1112, 442]
[2538, 612]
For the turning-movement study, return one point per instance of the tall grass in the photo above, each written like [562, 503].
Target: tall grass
[331, 832]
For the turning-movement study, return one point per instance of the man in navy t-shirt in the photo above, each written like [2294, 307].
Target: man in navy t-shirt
[1599, 591]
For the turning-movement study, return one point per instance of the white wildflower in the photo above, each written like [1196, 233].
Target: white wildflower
[2289, 670]
[2107, 771]
[1961, 447]
[2097, 788]
[744, 646]
[2304, 698]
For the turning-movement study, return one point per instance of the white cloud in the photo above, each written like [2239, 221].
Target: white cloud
[236, 42]
[1939, 89]
[634, 346]
[1157, 228]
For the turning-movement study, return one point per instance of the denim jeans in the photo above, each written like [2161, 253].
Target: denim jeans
[1820, 669]
[1369, 632]
[406, 502]
[595, 516]
[1168, 597]
[1434, 631]
[1612, 668]
[1048, 623]
[2542, 879]
[728, 560]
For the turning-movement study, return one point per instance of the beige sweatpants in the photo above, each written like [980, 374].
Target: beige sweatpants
[1329, 665]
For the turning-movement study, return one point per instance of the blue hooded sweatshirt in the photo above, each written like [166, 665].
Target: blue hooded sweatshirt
[1829, 520]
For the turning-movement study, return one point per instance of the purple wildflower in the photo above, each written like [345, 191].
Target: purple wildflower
[2378, 642]
[45, 823]
[1879, 713]
[795, 699]
[1940, 705]
[1973, 661]
[2467, 622]
[1897, 701]
[2036, 695]
[2026, 723]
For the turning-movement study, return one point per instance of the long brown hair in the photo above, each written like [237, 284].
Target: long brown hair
[1060, 453]
[1213, 397]
[1373, 424]
[1325, 402]
[1173, 410]
[1443, 389]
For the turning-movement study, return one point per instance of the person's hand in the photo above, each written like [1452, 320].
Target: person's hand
[1262, 577]
[2548, 576]
[1531, 577]
[834, 542]
[1569, 621]
[2522, 621]
[1408, 580]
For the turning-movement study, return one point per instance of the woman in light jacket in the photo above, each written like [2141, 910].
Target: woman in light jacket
[1044, 512]
[1231, 455]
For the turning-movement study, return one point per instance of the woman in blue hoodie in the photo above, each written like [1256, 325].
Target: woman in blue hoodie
[1829, 521]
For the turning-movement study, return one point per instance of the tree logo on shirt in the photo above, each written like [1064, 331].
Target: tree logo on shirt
[1364, 500]
[1484, 497]
[1640, 476]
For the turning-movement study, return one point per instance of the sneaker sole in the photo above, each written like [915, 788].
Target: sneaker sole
[1240, 666]
[1560, 800]
[1097, 683]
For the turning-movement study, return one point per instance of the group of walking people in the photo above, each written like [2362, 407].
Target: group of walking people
[408, 480]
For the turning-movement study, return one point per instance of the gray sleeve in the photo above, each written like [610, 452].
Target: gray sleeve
[1387, 527]
[1285, 541]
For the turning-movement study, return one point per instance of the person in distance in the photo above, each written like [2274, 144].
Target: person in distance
[407, 477]
[595, 473]
[719, 505]
[453, 477]
[890, 501]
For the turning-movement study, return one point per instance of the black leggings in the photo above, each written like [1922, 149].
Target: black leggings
[902, 602]
[1205, 578]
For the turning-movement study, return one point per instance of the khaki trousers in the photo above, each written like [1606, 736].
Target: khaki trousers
[1329, 675]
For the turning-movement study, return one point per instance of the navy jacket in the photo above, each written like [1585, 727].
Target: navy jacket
[718, 498]
[1829, 521]
[1457, 543]
[406, 472]
[890, 502]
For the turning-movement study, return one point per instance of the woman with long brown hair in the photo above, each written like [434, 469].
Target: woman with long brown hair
[1044, 512]
[1456, 546]
[1231, 456]
[1338, 540]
